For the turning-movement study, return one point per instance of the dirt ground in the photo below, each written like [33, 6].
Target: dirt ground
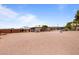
[42, 43]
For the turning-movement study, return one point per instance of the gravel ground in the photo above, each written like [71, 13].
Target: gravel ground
[42, 43]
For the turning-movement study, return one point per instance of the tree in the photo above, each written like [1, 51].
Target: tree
[44, 27]
[72, 25]
[76, 20]
[68, 26]
[76, 17]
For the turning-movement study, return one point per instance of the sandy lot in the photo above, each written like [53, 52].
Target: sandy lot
[44, 43]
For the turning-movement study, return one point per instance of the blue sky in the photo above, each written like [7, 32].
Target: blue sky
[18, 15]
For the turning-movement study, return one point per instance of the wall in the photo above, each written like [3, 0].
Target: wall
[13, 30]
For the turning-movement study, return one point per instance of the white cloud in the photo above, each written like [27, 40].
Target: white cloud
[27, 18]
[6, 12]
[62, 6]
[10, 18]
